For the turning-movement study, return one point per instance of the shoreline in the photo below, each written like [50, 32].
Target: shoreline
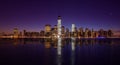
[57, 38]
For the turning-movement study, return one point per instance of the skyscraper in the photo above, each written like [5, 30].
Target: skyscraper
[73, 27]
[16, 33]
[47, 28]
[59, 26]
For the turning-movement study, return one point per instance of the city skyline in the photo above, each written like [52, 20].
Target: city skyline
[73, 26]
[34, 15]
[59, 31]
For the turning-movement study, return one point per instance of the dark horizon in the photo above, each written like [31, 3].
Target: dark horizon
[34, 15]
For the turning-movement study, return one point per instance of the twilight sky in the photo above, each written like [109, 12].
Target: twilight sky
[33, 15]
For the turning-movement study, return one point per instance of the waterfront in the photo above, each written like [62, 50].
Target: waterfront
[101, 51]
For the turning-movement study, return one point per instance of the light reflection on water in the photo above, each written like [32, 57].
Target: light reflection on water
[59, 52]
[70, 52]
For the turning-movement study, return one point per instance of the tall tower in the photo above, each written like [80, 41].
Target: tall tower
[59, 26]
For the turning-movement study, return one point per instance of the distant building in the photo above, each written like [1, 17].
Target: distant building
[101, 33]
[67, 33]
[110, 33]
[96, 34]
[16, 33]
[47, 28]
[63, 31]
[73, 28]
[92, 33]
[24, 32]
[42, 33]
[86, 32]
[55, 27]
[75, 32]
[80, 32]
[60, 31]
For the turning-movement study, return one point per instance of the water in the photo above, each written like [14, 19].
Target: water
[73, 52]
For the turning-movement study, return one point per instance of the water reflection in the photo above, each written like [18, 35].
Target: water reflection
[73, 40]
[73, 58]
[59, 60]
[61, 51]
[59, 46]
[73, 43]
[48, 42]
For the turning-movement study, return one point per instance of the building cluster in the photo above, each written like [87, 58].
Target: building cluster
[65, 33]
[59, 30]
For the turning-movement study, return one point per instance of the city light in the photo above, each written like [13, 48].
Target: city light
[60, 31]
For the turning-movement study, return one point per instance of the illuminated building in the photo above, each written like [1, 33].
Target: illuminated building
[75, 34]
[63, 31]
[73, 30]
[16, 33]
[89, 33]
[21, 34]
[55, 29]
[59, 31]
[67, 33]
[86, 32]
[96, 34]
[110, 33]
[59, 26]
[92, 33]
[73, 27]
[24, 32]
[42, 33]
[47, 28]
[80, 32]
[101, 33]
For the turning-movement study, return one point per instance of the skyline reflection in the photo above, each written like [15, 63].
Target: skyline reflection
[70, 52]
[63, 42]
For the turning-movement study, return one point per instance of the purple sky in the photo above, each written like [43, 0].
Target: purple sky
[33, 15]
